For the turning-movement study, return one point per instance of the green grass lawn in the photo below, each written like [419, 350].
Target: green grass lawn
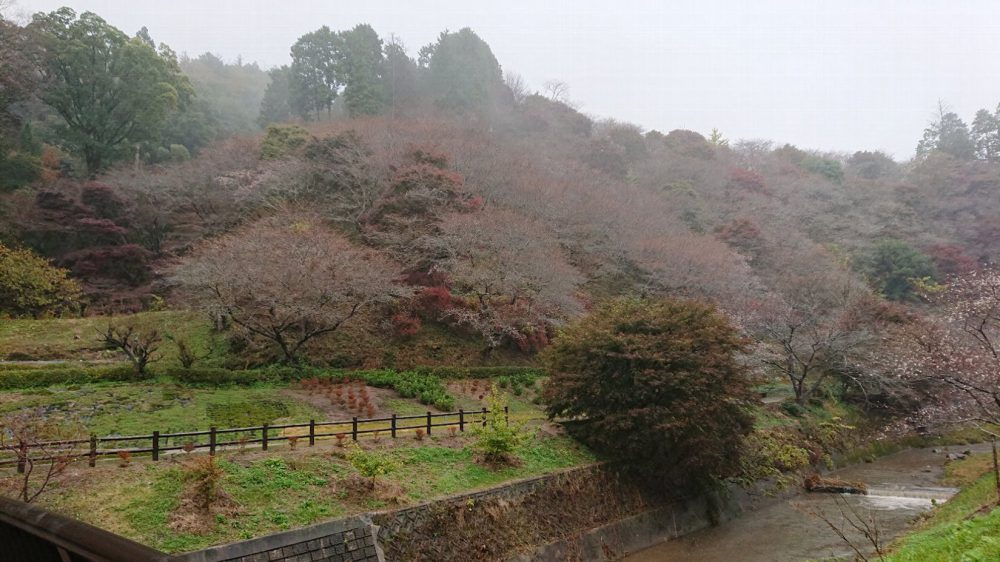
[965, 528]
[140, 408]
[354, 345]
[77, 339]
[284, 489]
[268, 491]
[137, 408]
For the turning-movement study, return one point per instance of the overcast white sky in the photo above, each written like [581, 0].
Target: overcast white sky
[829, 75]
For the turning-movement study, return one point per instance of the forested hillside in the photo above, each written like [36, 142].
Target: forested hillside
[370, 188]
[377, 233]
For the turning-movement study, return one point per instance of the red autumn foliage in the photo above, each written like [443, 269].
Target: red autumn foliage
[474, 204]
[744, 235]
[433, 300]
[100, 227]
[426, 176]
[405, 325]
[534, 340]
[102, 198]
[424, 155]
[423, 278]
[129, 263]
[747, 179]
[951, 259]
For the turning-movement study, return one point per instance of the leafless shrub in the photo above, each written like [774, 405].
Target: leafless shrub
[138, 344]
[40, 448]
[856, 529]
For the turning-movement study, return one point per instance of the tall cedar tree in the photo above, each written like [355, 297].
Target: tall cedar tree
[657, 387]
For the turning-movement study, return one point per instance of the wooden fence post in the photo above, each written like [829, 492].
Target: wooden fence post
[354, 428]
[264, 438]
[22, 456]
[93, 450]
[211, 441]
[461, 419]
[506, 415]
[484, 417]
[312, 432]
[392, 426]
[428, 424]
[156, 445]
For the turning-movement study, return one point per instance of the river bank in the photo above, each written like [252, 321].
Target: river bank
[902, 486]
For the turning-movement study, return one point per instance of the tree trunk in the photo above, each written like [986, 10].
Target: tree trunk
[996, 468]
[93, 159]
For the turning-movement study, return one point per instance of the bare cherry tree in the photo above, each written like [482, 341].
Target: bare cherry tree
[951, 360]
[514, 271]
[287, 279]
[41, 448]
[690, 265]
[812, 327]
[957, 351]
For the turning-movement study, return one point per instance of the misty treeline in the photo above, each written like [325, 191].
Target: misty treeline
[76, 83]
[439, 191]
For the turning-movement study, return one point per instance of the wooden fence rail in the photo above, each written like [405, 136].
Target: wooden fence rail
[70, 450]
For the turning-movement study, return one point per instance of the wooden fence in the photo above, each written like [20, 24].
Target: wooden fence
[214, 438]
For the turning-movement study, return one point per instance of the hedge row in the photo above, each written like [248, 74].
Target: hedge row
[480, 372]
[48, 375]
[214, 375]
[424, 383]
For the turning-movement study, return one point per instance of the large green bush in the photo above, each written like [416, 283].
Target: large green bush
[282, 140]
[657, 386]
[895, 269]
[18, 169]
[31, 286]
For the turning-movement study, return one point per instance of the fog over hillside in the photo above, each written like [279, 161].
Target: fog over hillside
[682, 247]
[841, 76]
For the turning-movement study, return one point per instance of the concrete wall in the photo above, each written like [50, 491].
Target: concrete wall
[631, 526]
[402, 521]
[344, 540]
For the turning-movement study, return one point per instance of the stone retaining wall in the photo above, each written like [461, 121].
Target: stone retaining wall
[578, 514]
[401, 521]
[344, 540]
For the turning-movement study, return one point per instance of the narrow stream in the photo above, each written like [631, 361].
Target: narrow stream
[900, 486]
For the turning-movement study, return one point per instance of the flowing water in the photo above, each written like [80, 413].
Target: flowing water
[900, 487]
